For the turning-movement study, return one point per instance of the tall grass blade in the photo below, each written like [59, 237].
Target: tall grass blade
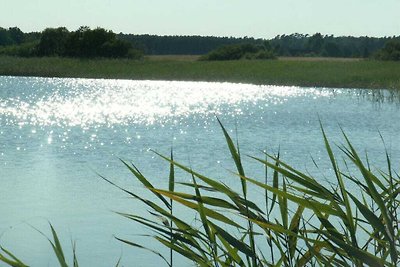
[201, 261]
[307, 203]
[349, 214]
[171, 181]
[206, 224]
[275, 183]
[355, 253]
[298, 177]
[283, 205]
[210, 213]
[372, 219]
[231, 251]
[56, 245]
[171, 187]
[370, 181]
[75, 258]
[14, 261]
[235, 155]
[240, 245]
[118, 262]
[294, 227]
[144, 248]
[144, 181]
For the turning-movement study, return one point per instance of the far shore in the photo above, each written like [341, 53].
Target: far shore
[310, 72]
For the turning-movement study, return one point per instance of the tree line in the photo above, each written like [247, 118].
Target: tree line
[82, 43]
[182, 45]
[99, 42]
[241, 51]
[282, 45]
[328, 45]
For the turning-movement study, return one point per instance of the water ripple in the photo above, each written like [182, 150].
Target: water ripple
[88, 102]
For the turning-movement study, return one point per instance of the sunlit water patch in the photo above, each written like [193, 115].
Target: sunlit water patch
[57, 135]
[83, 102]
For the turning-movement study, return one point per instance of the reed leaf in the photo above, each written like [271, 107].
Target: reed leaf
[210, 213]
[201, 261]
[171, 181]
[298, 177]
[349, 214]
[240, 245]
[212, 201]
[307, 203]
[283, 205]
[144, 248]
[56, 245]
[12, 261]
[371, 180]
[235, 155]
[275, 183]
[294, 227]
[75, 258]
[144, 181]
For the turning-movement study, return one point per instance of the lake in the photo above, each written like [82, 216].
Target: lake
[58, 135]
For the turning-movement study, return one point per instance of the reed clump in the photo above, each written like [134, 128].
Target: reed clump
[300, 221]
[335, 73]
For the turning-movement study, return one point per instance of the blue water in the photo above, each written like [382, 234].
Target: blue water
[58, 135]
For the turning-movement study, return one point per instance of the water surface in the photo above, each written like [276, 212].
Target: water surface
[57, 135]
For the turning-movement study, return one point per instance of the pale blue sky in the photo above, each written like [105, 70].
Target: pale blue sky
[255, 18]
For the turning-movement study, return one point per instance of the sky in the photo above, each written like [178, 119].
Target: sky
[238, 18]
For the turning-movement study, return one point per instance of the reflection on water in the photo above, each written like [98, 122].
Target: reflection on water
[79, 102]
[57, 134]
[84, 102]
[380, 96]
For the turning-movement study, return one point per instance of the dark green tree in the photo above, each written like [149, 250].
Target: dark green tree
[95, 43]
[391, 51]
[53, 41]
[239, 51]
[16, 35]
[315, 43]
[331, 49]
[5, 38]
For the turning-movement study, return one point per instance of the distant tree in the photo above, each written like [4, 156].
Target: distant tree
[228, 52]
[16, 35]
[391, 51]
[267, 45]
[331, 49]
[5, 37]
[53, 41]
[239, 51]
[93, 41]
[22, 50]
[99, 42]
[315, 43]
[115, 48]
[182, 45]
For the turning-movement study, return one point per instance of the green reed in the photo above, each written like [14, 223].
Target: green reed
[301, 222]
[287, 71]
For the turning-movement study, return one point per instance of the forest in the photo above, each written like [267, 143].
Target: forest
[86, 42]
[283, 45]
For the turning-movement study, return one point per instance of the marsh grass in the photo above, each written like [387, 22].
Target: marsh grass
[11, 260]
[320, 73]
[300, 221]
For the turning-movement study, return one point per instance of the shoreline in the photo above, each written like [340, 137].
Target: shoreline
[303, 72]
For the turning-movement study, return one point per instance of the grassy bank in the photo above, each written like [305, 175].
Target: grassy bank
[285, 71]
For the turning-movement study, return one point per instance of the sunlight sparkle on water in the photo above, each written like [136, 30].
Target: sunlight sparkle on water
[89, 102]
